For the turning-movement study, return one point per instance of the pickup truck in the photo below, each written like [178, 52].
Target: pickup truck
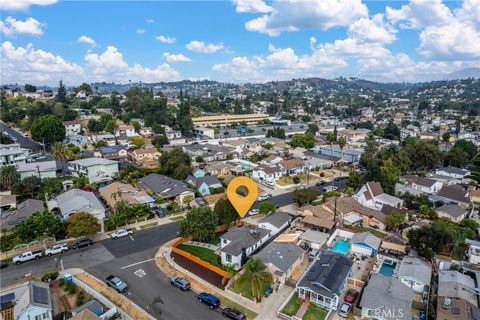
[116, 284]
[58, 248]
[27, 256]
[121, 233]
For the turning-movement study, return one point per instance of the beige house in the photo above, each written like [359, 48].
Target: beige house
[147, 157]
[353, 212]
[117, 191]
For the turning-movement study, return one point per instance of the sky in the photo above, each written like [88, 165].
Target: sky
[43, 41]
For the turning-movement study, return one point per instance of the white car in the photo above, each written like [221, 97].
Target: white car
[121, 233]
[56, 249]
[253, 212]
[345, 310]
[264, 196]
[329, 188]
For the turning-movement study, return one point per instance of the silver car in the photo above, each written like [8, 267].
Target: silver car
[345, 310]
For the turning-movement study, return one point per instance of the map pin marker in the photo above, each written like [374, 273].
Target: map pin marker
[242, 204]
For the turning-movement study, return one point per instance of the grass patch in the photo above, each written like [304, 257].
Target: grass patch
[372, 231]
[216, 239]
[229, 303]
[315, 313]
[283, 181]
[291, 308]
[242, 286]
[176, 218]
[149, 225]
[203, 253]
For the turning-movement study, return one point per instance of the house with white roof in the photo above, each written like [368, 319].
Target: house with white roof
[371, 195]
[13, 154]
[415, 273]
[97, 170]
[275, 222]
[473, 252]
[44, 169]
[453, 172]
[425, 185]
[76, 200]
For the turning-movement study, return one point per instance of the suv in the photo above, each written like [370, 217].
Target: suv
[181, 283]
[233, 314]
[82, 243]
[209, 299]
[351, 296]
[58, 248]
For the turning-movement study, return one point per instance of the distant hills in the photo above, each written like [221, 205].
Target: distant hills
[463, 74]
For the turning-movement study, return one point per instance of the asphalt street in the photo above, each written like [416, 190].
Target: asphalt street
[23, 141]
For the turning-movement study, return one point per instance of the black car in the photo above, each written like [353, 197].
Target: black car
[233, 314]
[82, 243]
[3, 264]
[320, 183]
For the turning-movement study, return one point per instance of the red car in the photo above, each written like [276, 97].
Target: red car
[351, 296]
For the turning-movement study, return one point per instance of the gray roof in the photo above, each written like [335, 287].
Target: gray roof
[452, 210]
[281, 255]
[76, 200]
[453, 170]
[40, 295]
[453, 284]
[88, 162]
[9, 219]
[315, 236]
[455, 192]
[415, 268]
[42, 166]
[242, 238]
[92, 305]
[389, 294]
[163, 185]
[210, 180]
[327, 274]
[367, 238]
[277, 219]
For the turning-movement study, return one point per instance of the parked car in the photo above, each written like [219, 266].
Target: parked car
[181, 283]
[304, 186]
[58, 248]
[252, 212]
[351, 296]
[27, 256]
[3, 264]
[264, 196]
[233, 314]
[82, 243]
[209, 299]
[120, 233]
[268, 292]
[159, 212]
[320, 183]
[345, 310]
[116, 283]
[329, 188]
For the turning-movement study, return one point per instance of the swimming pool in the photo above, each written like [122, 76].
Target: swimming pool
[388, 267]
[341, 246]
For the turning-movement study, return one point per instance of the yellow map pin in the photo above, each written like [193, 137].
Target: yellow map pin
[242, 204]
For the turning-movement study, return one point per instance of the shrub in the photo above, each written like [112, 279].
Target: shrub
[50, 276]
[70, 287]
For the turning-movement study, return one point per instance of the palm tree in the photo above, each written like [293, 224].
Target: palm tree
[257, 272]
[342, 142]
[8, 176]
[61, 153]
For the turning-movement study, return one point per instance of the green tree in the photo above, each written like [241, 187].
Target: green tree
[305, 196]
[200, 224]
[391, 131]
[257, 272]
[313, 128]
[30, 88]
[354, 181]
[61, 153]
[306, 140]
[342, 142]
[266, 207]
[331, 139]
[48, 129]
[8, 176]
[4, 139]
[467, 146]
[101, 143]
[175, 163]
[137, 126]
[138, 142]
[456, 157]
[28, 186]
[395, 220]
[389, 175]
[225, 211]
[94, 125]
[184, 120]
[82, 224]
[423, 155]
[62, 95]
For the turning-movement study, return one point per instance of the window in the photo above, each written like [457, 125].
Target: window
[228, 258]
[39, 317]
[45, 315]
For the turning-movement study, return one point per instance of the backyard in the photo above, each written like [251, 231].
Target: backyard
[242, 286]
[291, 308]
[375, 232]
[315, 313]
[203, 253]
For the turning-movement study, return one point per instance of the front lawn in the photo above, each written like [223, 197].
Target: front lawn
[283, 181]
[291, 308]
[315, 313]
[203, 253]
[242, 286]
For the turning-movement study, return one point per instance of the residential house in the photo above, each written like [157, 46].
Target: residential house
[9, 219]
[72, 128]
[238, 243]
[148, 157]
[281, 259]
[453, 212]
[13, 154]
[116, 153]
[415, 273]
[125, 130]
[371, 195]
[317, 218]
[42, 170]
[76, 200]
[166, 187]
[97, 170]
[272, 159]
[109, 138]
[453, 172]
[386, 298]
[173, 134]
[292, 166]
[473, 252]
[454, 285]
[349, 155]
[311, 239]
[325, 279]
[365, 244]
[146, 132]
[7, 201]
[475, 195]
[275, 222]
[205, 185]
[93, 306]
[453, 195]
[454, 309]
[77, 140]
[199, 173]
[28, 301]
[85, 315]
[218, 168]
[118, 191]
[423, 184]
[267, 173]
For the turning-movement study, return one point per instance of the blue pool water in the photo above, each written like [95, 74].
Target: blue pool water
[388, 267]
[341, 246]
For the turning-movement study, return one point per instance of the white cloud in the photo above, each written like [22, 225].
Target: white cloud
[251, 6]
[291, 16]
[418, 14]
[313, 42]
[22, 5]
[202, 47]
[149, 20]
[87, 40]
[27, 64]
[165, 39]
[175, 57]
[140, 31]
[30, 26]
[372, 30]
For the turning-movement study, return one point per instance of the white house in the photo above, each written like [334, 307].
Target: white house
[238, 243]
[72, 128]
[453, 172]
[473, 252]
[266, 173]
[125, 130]
[365, 244]
[13, 154]
[29, 301]
[44, 169]
[109, 138]
[371, 195]
[76, 200]
[95, 169]
[415, 273]
[276, 222]
[425, 185]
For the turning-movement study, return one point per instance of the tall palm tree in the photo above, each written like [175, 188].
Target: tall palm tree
[61, 153]
[257, 272]
[330, 141]
[342, 142]
[8, 176]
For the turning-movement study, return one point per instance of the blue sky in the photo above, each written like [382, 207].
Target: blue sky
[44, 41]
